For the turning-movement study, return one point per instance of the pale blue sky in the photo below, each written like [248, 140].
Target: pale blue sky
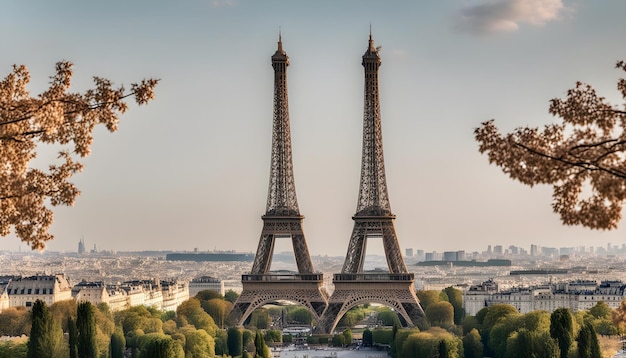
[191, 169]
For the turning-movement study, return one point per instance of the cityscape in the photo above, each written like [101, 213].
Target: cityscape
[483, 273]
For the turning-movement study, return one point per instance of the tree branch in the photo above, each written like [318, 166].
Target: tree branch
[14, 137]
[97, 105]
[581, 164]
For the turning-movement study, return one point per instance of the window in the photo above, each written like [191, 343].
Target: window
[30, 291]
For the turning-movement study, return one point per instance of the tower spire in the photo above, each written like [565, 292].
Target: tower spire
[371, 42]
[280, 40]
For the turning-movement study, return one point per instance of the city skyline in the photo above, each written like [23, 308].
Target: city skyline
[191, 169]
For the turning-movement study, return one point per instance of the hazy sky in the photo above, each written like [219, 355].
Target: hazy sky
[191, 169]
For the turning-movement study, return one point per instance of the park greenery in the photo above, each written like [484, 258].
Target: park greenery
[71, 329]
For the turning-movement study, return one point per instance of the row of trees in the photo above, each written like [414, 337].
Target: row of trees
[498, 331]
[93, 331]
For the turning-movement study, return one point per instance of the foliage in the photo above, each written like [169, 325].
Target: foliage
[139, 318]
[195, 315]
[86, 325]
[455, 297]
[352, 317]
[472, 346]
[399, 339]
[72, 337]
[13, 349]
[585, 151]
[339, 340]
[206, 295]
[368, 338]
[234, 341]
[248, 340]
[261, 349]
[588, 346]
[260, 319]
[511, 326]
[273, 336]
[468, 323]
[443, 350]
[218, 309]
[428, 344]
[428, 297]
[117, 345]
[231, 296]
[605, 327]
[618, 316]
[56, 117]
[347, 336]
[382, 336]
[528, 343]
[198, 343]
[14, 322]
[562, 329]
[490, 316]
[61, 310]
[46, 336]
[440, 314]
[221, 343]
[600, 310]
[313, 339]
[299, 315]
[158, 345]
[387, 317]
[168, 316]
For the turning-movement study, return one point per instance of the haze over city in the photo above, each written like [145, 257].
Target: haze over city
[190, 170]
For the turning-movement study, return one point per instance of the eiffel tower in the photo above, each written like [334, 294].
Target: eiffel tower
[282, 219]
[373, 219]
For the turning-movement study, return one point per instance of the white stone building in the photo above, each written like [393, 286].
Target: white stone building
[24, 291]
[94, 292]
[206, 283]
[575, 295]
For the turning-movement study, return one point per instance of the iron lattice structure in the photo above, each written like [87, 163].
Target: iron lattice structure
[282, 218]
[373, 218]
[373, 212]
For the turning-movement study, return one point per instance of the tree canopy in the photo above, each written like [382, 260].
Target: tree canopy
[583, 158]
[55, 117]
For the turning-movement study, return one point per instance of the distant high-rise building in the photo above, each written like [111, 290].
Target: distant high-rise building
[430, 256]
[460, 255]
[449, 256]
[497, 249]
[534, 250]
[514, 250]
[550, 251]
[420, 255]
[489, 249]
[408, 252]
[81, 246]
